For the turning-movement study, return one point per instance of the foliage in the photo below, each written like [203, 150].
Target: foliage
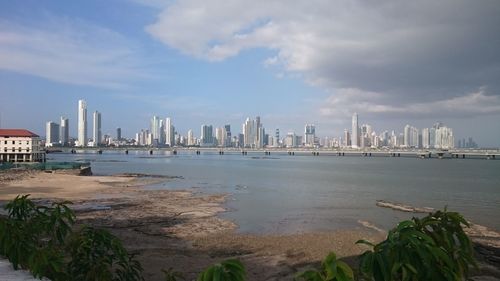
[332, 269]
[97, 254]
[32, 237]
[432, 248]
[228, 270]
[37, 238]
[172, 275]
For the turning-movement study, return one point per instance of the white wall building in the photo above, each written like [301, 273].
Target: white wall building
[355, 131]
[82, 123]
[64, 133]
[19, 145]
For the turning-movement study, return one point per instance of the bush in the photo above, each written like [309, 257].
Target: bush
[331, 270]
[229, 270]
[40, 239]
[432, 248]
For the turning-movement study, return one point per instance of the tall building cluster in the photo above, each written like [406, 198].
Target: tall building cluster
[57, 134]
[438, 136]
[162, 133]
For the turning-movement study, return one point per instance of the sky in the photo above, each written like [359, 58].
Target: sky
[217, 62]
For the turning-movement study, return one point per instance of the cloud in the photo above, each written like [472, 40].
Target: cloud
[68, 51]
[409, 51]
[347, 101]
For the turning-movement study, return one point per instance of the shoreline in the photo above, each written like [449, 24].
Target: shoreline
[181, 228]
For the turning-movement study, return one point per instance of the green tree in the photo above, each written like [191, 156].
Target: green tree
[332, 269]
[432, 248]
[228, 270]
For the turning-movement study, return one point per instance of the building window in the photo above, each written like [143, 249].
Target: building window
[13, 142]
[27, 150]
[5, 142]
[19, 149]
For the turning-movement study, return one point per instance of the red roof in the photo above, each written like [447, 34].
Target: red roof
[16, 133]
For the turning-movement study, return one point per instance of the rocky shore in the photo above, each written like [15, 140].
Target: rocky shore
[181, 229]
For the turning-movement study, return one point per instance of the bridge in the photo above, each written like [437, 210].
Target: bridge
[490, 154]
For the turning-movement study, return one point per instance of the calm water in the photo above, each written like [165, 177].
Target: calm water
[285, 194]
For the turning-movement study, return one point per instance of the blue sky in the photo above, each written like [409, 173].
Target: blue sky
[217, 62]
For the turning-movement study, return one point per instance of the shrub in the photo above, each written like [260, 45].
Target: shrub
[432, 248]
[40, 239]
[332, 269]
[228, 270]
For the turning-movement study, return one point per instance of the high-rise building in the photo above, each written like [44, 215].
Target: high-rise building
[290, 140]
[190, 140]
[220, 136]
[169, 132]
[207, 135]
[277, 138]
[97, 133]
[309, 135]
[444, 138]
[118, 133]
[82, 123]
[228, 134]
[355, 131]
[249, 134]
[426, 138]
[52, 133]
[155, 129]
[410, 137]
[64, 133]
[347, 138]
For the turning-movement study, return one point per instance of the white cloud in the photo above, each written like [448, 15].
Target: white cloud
[346, 101]
[409, 51]
[68, 51]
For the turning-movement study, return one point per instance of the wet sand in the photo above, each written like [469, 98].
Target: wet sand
[181, 229]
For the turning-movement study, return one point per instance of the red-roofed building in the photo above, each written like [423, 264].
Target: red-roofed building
[20, 145]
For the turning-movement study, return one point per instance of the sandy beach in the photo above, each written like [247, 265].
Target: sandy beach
[181, 229]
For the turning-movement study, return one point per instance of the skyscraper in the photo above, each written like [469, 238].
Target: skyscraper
[249, 134]
[97, 133]
[355, 131]
[190, 140]
[52, 133]
[82, 123]
[426, 138]
[207, 135]
[118, 133]
[169, 132]
[228, 134]
[309, 135]
[155, 129]
[64, 134]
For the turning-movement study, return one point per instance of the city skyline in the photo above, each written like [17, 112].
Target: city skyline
[166, 60]
[253, 134]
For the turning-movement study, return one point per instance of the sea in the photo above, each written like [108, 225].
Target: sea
[283, 194]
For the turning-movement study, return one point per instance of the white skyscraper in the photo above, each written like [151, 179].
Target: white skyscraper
[169, 132]
[97, 133]
[190, 140]
[64, 135]
[426, 138]
[82, 123]
[309, 135]
[355, 131]
[220, 136]
[52, 133]
[249, 134]
[155, 129]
